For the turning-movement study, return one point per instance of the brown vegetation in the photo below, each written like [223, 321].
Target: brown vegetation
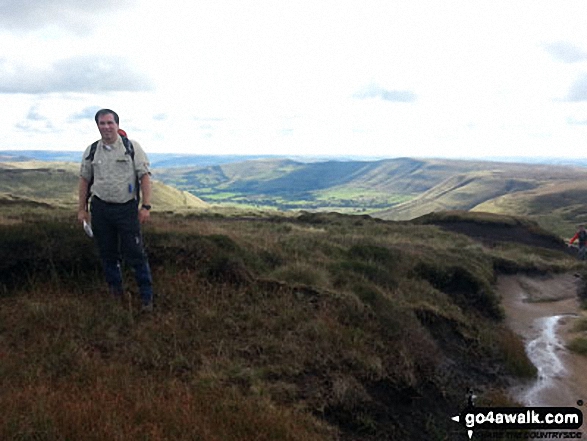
[322, 327]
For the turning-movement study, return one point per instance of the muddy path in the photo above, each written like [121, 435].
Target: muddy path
[542, 310]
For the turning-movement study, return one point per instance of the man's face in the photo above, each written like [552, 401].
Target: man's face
[108, 128]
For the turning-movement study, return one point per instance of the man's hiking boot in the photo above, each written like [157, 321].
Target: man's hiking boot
[147, 307]
[116, 292]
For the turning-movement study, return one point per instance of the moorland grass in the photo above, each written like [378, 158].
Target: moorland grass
[578, 345]
[320, 326]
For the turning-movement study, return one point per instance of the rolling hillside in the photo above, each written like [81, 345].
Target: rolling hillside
[554, 205]
[395, 189]
[392, 189]
[350, 186]
[55, 184]
[555, 197]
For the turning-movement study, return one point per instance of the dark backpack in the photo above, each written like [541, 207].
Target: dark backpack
[130, 150]
[582, 238]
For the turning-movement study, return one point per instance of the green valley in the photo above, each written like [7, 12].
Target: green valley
[393, 189]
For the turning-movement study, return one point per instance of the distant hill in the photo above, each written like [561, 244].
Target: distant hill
[555, 205]
[167, 160]
[55, 184]
[393, 189]
[158, 160]
[334, 185]
[555, 196]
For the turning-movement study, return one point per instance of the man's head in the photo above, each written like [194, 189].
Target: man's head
[107, 121]
[103, 112]
[581, 227]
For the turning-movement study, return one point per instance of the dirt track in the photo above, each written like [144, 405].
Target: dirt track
[527, 299]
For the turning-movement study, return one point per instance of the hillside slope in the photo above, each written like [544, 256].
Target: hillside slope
[495, 230]
[56, 184]
[392, 189]
[551, 195]
[460, 192]
[559, 206]
[397, 189]
[318, 327]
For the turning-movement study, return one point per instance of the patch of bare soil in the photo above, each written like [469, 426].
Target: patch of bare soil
[528, 303]
[490, 234]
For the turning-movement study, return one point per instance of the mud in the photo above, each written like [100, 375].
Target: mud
[542, 310]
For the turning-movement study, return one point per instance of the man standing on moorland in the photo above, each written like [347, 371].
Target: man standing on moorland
[112, 170]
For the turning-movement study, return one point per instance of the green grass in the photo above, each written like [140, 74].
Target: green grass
[57, 186]
[580, 325]
[221, 196]
[578, 345]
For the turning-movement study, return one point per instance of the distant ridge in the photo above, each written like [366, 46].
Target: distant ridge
[391, 189]
[166, 160]
[55, 184]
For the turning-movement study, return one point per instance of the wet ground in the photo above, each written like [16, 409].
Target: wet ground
[543, 310]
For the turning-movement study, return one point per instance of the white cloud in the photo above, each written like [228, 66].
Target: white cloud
[377, 78]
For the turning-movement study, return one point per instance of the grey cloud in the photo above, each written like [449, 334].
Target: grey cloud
[35, 115]
[35, 122]
[578, 90]
[73, 15]
[375, 91]
[90, 74]
[84, 114]
[566, 52]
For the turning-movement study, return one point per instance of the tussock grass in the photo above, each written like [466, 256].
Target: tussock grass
[145, 408]
[513, 352]
[317, 327]
[580, 325]
[578, 345]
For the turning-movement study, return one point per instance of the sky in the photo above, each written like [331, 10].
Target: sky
[369, 78]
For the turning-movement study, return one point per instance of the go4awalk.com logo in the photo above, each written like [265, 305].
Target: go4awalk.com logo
[529, 422]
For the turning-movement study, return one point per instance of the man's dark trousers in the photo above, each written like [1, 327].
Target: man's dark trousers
[116, 228]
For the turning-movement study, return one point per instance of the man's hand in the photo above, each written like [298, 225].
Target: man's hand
[144, 215]
[83, 215]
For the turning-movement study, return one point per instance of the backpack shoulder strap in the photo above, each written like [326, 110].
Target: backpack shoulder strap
[130, 150]
[90, 158]
[92, 153]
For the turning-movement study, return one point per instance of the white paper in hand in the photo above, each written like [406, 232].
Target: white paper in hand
[88, 229]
